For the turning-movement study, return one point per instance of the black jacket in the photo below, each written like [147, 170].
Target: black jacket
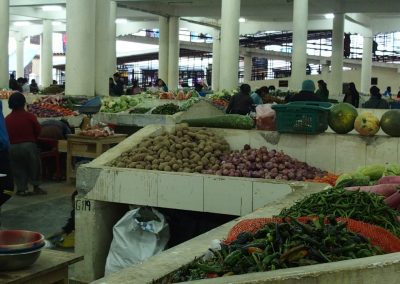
[240, 104]
[303, 96]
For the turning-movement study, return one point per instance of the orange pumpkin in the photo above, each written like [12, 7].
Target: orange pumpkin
[366, 124]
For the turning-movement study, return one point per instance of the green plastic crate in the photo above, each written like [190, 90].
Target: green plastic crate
[302, 117]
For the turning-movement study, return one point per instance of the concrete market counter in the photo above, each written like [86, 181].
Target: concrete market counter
[198, 110]
[104, 190]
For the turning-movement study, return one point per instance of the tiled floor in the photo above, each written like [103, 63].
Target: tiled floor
[46, 214]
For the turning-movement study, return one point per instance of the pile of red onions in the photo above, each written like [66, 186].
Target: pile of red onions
[261, 163]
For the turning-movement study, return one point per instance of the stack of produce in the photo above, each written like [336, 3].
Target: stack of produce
[97, 131]
[139, 110]
[221, 99]
[261, 163]
[180, 95]
[167, 109]
[233, 121]
[383, 180]
[114, 105]
[184, 150]
[52, 90]
[275, 246]
[343, 118]
[269, 99]
[202, 151]
[49, 110]
[362, 206]
[4, 94]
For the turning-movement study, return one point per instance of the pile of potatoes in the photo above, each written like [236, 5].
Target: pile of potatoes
[185, 150]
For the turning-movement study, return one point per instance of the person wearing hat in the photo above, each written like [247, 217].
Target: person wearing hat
[375, 101]
[306, 93]
[23, 130]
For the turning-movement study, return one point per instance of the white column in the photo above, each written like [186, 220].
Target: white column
[248, 66]
[46, 54]
[215, 60]
[20, 56]
[103, 41]
[366, 64]
[80, 63]
[163, 48]
[113, 39]
[229, 66]
[173, 53]
[4, 27]
[337, 55]
[299, 52]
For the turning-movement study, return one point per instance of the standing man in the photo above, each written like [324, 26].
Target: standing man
[6, 179]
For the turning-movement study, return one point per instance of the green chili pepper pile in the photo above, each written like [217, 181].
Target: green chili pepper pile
[275, 246]
[166, 109]
[139, 110]
[361, 206]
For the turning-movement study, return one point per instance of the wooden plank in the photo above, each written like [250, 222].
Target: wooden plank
[51, 264]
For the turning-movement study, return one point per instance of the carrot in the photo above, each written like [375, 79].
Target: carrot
[381, 189]
[389, 179]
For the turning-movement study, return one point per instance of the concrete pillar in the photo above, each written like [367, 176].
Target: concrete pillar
[113, 39]
[46, 54]
[216, 60]
[230, 13]
[248, 66]
[337, 55]
[366, 64]
[80, 64]
[20, 56]
[173, 53]
[103, 42]
[299, 52]
[163, 48]
[4, 27]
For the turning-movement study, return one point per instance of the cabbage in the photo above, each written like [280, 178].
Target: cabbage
[392, 170]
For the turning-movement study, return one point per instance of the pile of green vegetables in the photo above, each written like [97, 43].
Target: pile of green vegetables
[140, 110]
[275, 246]
[361, 206]
[166, 109]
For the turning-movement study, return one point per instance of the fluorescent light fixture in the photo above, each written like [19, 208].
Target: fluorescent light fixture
[329, 16]
[121, 21]
[49, 8]
[242, 20]
[56, 23]
[21, 24]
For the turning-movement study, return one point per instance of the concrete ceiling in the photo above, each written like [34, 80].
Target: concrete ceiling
[261, 15]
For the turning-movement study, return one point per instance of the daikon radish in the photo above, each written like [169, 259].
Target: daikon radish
[381, 189]
[389, 179]
[393, 200]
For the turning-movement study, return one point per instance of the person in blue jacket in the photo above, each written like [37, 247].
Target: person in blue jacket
[6, 179]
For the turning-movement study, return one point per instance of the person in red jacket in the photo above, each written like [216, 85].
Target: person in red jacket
[23, 130]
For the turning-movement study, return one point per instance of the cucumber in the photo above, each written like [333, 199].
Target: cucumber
[234, 121]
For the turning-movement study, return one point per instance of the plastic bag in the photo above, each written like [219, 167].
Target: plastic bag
[265, 117]
[138, 235]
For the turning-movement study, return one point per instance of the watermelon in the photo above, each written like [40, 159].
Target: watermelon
[390, 123]
[341, 118]
[366, 124]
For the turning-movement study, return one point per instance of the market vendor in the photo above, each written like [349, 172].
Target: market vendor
[306, 93]
[375, 101]
[55, 129]
[23, 129]
[6, 179]
[259, 94]
[241, 103]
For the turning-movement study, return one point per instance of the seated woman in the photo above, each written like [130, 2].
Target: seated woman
[241, 103]
[23, 130]
[375, 101]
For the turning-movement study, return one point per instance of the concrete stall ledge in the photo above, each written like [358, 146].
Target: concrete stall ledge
[105, 192]
[198, 110]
